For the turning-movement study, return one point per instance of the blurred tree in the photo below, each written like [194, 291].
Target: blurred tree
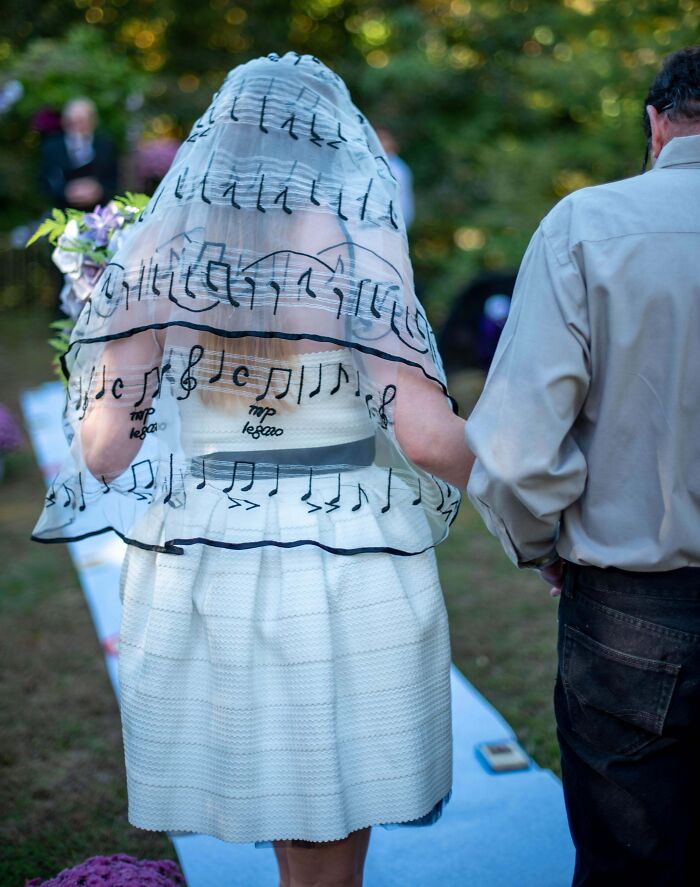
[500, 107]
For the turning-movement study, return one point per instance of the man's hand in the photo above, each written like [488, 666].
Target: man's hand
[554, 576]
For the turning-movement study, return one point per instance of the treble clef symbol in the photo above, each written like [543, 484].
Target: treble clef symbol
[187, 381]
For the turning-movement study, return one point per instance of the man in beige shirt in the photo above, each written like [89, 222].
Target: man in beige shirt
[587, 439]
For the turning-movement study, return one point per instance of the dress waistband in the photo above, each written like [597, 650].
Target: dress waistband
[288, 463]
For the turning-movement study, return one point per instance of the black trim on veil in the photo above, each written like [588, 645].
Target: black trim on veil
[262, 305]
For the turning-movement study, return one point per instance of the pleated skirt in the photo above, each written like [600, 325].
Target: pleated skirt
[271, 694]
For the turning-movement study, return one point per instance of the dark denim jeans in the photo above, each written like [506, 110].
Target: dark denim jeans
[627, 703]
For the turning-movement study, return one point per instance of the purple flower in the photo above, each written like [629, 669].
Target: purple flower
[118, 870]
[10, 435]
[102, 222]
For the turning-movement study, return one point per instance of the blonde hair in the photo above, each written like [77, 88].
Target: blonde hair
[258, 350]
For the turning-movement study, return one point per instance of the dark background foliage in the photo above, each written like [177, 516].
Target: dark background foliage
[500, 107]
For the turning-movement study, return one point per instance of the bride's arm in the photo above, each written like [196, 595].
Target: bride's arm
[429, 433]
[105, 432]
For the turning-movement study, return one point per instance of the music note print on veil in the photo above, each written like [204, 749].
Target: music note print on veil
[136, 486]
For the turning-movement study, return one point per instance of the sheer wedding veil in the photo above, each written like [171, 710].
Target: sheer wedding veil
[270, 265]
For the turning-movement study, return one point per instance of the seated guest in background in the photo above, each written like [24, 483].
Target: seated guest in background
[469, 336]
[587, 439]
[79, 166]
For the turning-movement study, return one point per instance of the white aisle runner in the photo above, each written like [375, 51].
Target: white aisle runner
[497, 831]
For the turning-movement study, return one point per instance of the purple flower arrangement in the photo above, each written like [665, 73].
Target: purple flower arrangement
[119, 870]
[10, 435]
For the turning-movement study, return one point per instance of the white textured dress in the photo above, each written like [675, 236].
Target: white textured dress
[284, 693]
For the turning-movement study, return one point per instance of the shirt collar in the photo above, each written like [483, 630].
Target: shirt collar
[680, 151]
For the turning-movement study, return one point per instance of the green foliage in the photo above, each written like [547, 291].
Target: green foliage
[80, 61]
[54, 226]
[132, 201]
[59, 342]
[500, 107]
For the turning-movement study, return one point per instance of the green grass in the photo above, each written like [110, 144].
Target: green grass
[62, 781]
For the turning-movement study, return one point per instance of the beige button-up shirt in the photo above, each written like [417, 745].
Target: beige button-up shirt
[587, 434]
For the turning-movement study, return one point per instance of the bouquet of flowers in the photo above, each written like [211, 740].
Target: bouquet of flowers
[84, 243]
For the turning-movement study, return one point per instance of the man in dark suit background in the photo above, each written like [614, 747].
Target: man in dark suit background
[78, 166]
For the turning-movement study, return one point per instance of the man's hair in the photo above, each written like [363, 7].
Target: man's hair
[676, 88]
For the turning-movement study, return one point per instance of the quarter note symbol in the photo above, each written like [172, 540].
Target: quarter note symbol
[203, 482]
[180, 181]
[101, 392]
[314, 137]
[333, 503]
[276, 287]
[277, 484]
[217, 375]
[388, 494]
[251, 284]
[406, 324]
[107, 487]
[365, 199]
[317, 389]
[442, 495]
[301, 383]
[341, 215]
[374, 301]
[260, 190]
[205, 199]
[312, 198]
[82, 492]
[335, 143]
[339, 294]
[307, 494]
[419, 497]
[170, 483]
[249, 486]
[87, 394]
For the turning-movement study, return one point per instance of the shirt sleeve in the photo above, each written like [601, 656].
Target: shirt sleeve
[529, 467]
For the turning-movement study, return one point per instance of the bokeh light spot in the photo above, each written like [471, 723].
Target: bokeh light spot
[469, 238]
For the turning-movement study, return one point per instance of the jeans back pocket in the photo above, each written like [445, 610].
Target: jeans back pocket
[616, 701]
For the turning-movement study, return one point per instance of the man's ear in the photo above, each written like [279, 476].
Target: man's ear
[659, 130]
